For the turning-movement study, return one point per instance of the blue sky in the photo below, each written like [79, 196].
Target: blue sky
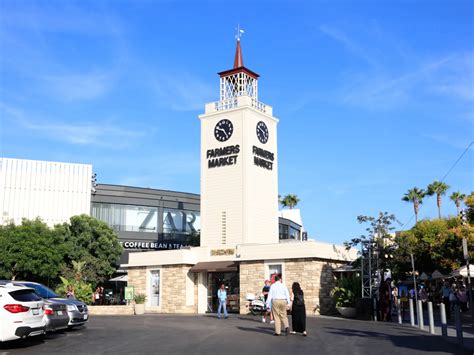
[372, 99]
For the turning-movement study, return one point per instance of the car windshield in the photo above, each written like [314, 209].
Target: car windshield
[41, 290]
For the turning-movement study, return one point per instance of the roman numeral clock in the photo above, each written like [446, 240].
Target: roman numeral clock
[239, 175]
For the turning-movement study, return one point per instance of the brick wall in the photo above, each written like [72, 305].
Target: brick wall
[137, 279]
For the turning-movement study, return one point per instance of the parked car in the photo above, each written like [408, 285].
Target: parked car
[76, 310]
[21, 313]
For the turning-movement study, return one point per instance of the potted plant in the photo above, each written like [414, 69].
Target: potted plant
[139, 299]
[344, 294]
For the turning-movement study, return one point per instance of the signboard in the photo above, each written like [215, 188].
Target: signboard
[129, 293]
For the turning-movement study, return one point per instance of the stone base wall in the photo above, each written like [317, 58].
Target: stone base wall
[173, 289]
[316, 279]
[251, 281]
[111, 310]
[137, 279]
[314, 275]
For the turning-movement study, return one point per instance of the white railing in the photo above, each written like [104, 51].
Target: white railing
[226, 104]
[240, 101]
[259, 105]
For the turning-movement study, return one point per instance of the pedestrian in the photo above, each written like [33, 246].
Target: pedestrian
[403, 303]
[265, 290]
[70, 292]
[445, 292]
[298, 310]
[453, 298]
[423, 296]
[222, 298]
[102, 296]
[96, 296]
[279, 300]
[395, 297]
[462, 298]
[384, 300]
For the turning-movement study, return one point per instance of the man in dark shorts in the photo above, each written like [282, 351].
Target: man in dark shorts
[265, 291]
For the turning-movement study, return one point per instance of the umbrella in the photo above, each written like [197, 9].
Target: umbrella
[424, 277]
[121, 278]
[462, 271]
[437, 275]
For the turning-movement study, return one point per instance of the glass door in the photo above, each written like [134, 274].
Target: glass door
[155, 288]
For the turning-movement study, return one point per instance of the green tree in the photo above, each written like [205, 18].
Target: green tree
[82, 290]
[469, 202]
[457, 197]
[439, 189]
[379, 235]
[415, 196]
[93, 242]
[31, 251]
[290, 201]
[435, 244]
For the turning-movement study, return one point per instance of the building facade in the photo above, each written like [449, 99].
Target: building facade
[53, 191]
[240, 244]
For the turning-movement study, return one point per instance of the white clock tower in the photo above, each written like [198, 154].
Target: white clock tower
[239, 166]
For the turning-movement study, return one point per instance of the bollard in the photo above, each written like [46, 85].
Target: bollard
[412, 313]
[375, 309]
[457, 319]
[431, 318]
[399, 312]
[421, 324]
[444, 324]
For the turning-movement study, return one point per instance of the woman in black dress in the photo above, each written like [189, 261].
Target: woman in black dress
[298, 310]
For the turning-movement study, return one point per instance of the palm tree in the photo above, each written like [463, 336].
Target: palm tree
[290, 201]
[457, 198]
[439, 189]
[415, 196]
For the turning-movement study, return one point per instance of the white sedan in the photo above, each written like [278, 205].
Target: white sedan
[21, 313]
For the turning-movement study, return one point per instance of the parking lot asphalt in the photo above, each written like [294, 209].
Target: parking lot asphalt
[176, 334]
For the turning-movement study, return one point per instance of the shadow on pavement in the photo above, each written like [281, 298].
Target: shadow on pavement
[22, 343]
[257, 330]
[411, 341]
[250, 319]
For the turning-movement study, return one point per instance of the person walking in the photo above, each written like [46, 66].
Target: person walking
[298, 310]
[445, 292]
[265, 290]
[279, 301]
[222, 298]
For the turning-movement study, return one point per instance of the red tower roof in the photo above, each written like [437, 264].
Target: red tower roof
[238, 64]
[238, 59]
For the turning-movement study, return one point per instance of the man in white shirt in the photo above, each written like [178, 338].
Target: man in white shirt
[279, 299]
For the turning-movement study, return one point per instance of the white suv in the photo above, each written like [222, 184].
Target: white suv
[21, 312]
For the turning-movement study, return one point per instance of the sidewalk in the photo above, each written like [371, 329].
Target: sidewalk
[466, 324]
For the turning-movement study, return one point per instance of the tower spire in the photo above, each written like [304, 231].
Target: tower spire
[238, 59]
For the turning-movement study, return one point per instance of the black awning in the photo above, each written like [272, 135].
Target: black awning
[215, 266]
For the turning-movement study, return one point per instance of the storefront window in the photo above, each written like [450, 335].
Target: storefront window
[179, 221]
[127, 218]
[154, 288]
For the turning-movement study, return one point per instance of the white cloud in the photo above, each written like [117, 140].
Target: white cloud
[98, 133]
[78, 86]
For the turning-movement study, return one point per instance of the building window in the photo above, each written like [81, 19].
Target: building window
[154, 290]
[283, 231]
[274, 268]
[180, 221]
[127, 218]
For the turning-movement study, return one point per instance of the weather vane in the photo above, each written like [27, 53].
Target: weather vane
[239, 33]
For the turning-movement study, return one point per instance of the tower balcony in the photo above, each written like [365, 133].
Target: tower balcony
[238, 102]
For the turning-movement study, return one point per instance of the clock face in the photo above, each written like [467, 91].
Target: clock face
[223, 130]
[262, 132]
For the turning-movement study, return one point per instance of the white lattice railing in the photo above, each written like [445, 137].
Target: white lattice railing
[259, 105]
[226, 104]
[241, 101]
